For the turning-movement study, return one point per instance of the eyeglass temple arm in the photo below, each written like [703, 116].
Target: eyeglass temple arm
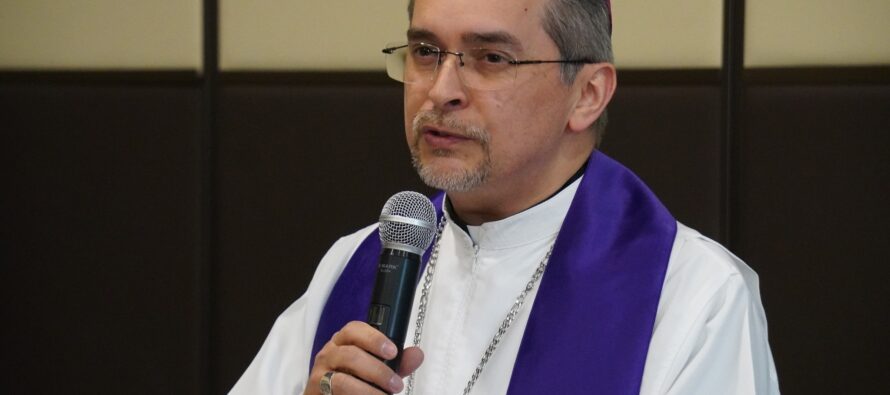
[573, 61]
[390, 50]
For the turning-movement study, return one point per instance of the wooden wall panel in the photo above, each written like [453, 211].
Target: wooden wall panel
[813, 218]
[98, 235]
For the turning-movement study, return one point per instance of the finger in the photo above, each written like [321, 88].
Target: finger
[364, 336]
[364, 366]
[412, 357]
[342, 383]
[354, 361]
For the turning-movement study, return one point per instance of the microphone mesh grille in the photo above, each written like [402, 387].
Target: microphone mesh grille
[412, 205]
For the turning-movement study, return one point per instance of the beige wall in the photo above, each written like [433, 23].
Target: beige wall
[817, 32]
[100, 34]
[667, 34]
[309, 35]
[303, 35]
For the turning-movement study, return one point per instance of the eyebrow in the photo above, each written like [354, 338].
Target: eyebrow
[495, 37]
[415, 34]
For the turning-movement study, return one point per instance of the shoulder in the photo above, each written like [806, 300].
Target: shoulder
[710, 326]
[334, 261]
[703, 277]
[698, 260]
[281, 365]
[343, 248]
[308, 307]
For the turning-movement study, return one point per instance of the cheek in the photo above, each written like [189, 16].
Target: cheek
[411, 107]
[522, 126]
[508, 116]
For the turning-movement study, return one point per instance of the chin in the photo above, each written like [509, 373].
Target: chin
[447, 177]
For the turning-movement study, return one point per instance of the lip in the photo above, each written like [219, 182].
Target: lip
[442, 138]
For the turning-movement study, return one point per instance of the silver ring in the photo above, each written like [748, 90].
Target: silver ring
[326, 383]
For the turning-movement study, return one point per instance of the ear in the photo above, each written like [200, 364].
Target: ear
[597, 84]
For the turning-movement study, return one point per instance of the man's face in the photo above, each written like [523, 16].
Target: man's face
[463, 139]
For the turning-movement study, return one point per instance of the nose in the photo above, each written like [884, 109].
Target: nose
[448, 92]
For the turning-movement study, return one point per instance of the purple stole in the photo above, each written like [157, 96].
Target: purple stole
[592, 319]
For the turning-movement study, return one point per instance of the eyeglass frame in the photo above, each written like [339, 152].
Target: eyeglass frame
[460, 55]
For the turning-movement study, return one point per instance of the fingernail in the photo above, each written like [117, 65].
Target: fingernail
[389, 350]
[396, 384]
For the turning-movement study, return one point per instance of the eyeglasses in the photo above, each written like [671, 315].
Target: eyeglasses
[483, 69]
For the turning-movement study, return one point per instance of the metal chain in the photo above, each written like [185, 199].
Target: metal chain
[502, 329]
[511, 316]
[425, 294]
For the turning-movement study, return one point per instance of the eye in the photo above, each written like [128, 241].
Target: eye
[423, 51]
[493, 57]
[487, 57]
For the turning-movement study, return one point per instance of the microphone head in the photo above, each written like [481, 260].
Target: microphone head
[408, 222]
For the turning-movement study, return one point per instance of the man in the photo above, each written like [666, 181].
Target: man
[555, 270]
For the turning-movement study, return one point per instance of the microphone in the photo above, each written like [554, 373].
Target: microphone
[407, 227]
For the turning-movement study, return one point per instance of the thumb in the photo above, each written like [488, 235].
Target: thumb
[412, 357]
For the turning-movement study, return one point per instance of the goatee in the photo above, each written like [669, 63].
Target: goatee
[457, 180]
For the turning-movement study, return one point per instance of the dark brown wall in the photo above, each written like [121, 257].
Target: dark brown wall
[98, 225]
[813, 215]
[670, 136]
[102, 230]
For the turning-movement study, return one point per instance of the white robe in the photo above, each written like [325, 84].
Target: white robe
[710, 334]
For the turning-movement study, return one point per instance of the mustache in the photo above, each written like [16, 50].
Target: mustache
[449, 122]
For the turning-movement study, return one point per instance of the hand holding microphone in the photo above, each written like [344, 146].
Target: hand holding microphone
[367, 357]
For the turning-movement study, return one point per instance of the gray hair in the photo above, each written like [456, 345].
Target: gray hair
[581, 29]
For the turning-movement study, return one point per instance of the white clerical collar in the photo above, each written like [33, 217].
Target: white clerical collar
[538, 222]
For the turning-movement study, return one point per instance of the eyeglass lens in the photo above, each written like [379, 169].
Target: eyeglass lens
[478, 68]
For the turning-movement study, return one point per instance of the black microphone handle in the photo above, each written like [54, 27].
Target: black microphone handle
[393, 296]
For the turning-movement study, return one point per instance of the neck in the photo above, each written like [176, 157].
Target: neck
[498, 200]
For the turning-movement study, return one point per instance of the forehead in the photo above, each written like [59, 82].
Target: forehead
[455, 22]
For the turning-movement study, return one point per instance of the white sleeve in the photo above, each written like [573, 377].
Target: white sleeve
[282, 364]
[727, 352]
[711, 330]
